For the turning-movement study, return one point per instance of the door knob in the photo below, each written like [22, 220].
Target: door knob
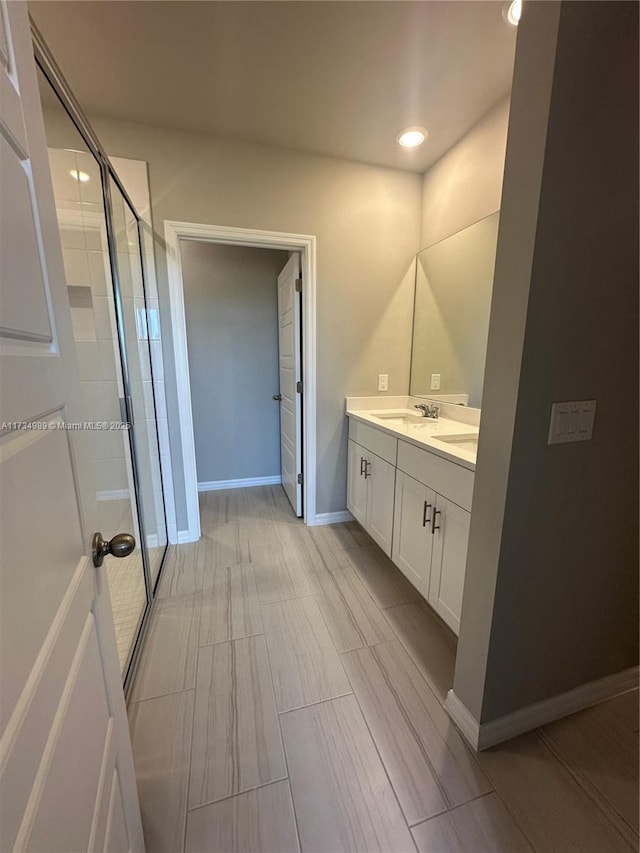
[121, 545]
[277, 396]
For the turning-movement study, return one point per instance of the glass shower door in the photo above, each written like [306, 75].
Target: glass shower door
[78, 192]
[140, 329]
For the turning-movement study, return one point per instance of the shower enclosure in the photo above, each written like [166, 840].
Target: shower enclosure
[108, 258]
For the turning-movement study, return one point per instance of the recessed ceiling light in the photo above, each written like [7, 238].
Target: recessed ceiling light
[412, 137]
[79, 176]
[512, 12]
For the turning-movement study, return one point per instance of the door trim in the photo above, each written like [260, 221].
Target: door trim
[306, 245]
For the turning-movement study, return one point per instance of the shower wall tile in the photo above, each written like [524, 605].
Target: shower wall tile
[76, 267]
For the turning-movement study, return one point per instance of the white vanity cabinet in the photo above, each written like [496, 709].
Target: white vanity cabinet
[371, 482]
[431, 527]
[413, 539]
[448, 560]
[430, 538]
[416, 505]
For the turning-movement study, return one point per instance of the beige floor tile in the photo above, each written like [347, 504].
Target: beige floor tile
[601, 748]
[341, 794]
[304, 663]
[236, 737]
[386, 583]
[225, 545]
[259, 821]
[339, 537]
[168, 658]
[429, 766]
[180, 573]
[483, 826]
[351, 615]
[230, 607]
[279, 573]
[553, 811]
[161, 740]
[431, 645]
[314, 551]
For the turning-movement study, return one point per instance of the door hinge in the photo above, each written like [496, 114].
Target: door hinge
[299, 387]
[300, 479]
[298, 285]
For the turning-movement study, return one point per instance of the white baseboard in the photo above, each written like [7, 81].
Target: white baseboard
[216, 485]
[113, 495]
[483, 735]
[330, 518]
[186, 536]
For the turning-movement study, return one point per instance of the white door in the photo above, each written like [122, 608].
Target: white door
[381, 476]
[67, 780]
[356, 483]
[290, 376]
[450, 543]
[412, 538]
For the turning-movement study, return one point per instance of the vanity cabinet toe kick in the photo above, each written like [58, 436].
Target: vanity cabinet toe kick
[417, 507]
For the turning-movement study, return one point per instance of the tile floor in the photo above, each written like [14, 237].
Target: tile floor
[289, 697]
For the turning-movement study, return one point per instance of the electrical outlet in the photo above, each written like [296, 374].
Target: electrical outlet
[435, 381]
[383, 382]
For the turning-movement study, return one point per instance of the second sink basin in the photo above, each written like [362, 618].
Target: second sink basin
[463, 441]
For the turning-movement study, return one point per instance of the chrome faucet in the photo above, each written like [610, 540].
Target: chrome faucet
[428, 410]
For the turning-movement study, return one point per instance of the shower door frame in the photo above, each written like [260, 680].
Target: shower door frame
[47, 65]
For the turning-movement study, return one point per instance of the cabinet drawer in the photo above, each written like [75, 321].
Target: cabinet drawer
[378, 442]
[448, 479]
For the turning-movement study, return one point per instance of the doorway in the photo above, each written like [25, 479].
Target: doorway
[302, 284]
[240, 337]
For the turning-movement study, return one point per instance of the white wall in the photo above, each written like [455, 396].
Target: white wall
[366, 220]
[231, 312]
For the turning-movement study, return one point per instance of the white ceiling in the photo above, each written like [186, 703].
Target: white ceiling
[333, 77]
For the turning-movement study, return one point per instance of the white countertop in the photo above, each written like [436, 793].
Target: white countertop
[422, 432]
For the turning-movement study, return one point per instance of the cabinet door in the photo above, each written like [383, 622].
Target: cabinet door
[356, 483]
[381, 482]
[412, 539]
[449, 560]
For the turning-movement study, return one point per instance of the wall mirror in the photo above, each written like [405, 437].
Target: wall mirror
[454, 279]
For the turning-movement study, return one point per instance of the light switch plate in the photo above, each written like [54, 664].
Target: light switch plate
[435, 381]
[572, 421]
[383, 382]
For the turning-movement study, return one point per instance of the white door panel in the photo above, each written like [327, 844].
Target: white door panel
[450, 543]
[63, 725]
[290, 374]
[382, 480]
[356, 483]
[412, 538]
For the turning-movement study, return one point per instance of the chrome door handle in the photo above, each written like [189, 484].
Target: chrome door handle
[425, 520]
[277, 397]
[121, 545]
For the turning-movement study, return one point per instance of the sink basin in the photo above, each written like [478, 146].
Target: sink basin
[401, 418]
[463, 441]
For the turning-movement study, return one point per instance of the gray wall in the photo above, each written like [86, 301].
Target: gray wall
[366, 220]
[231, 311]
[551, 599]
[466, 184]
